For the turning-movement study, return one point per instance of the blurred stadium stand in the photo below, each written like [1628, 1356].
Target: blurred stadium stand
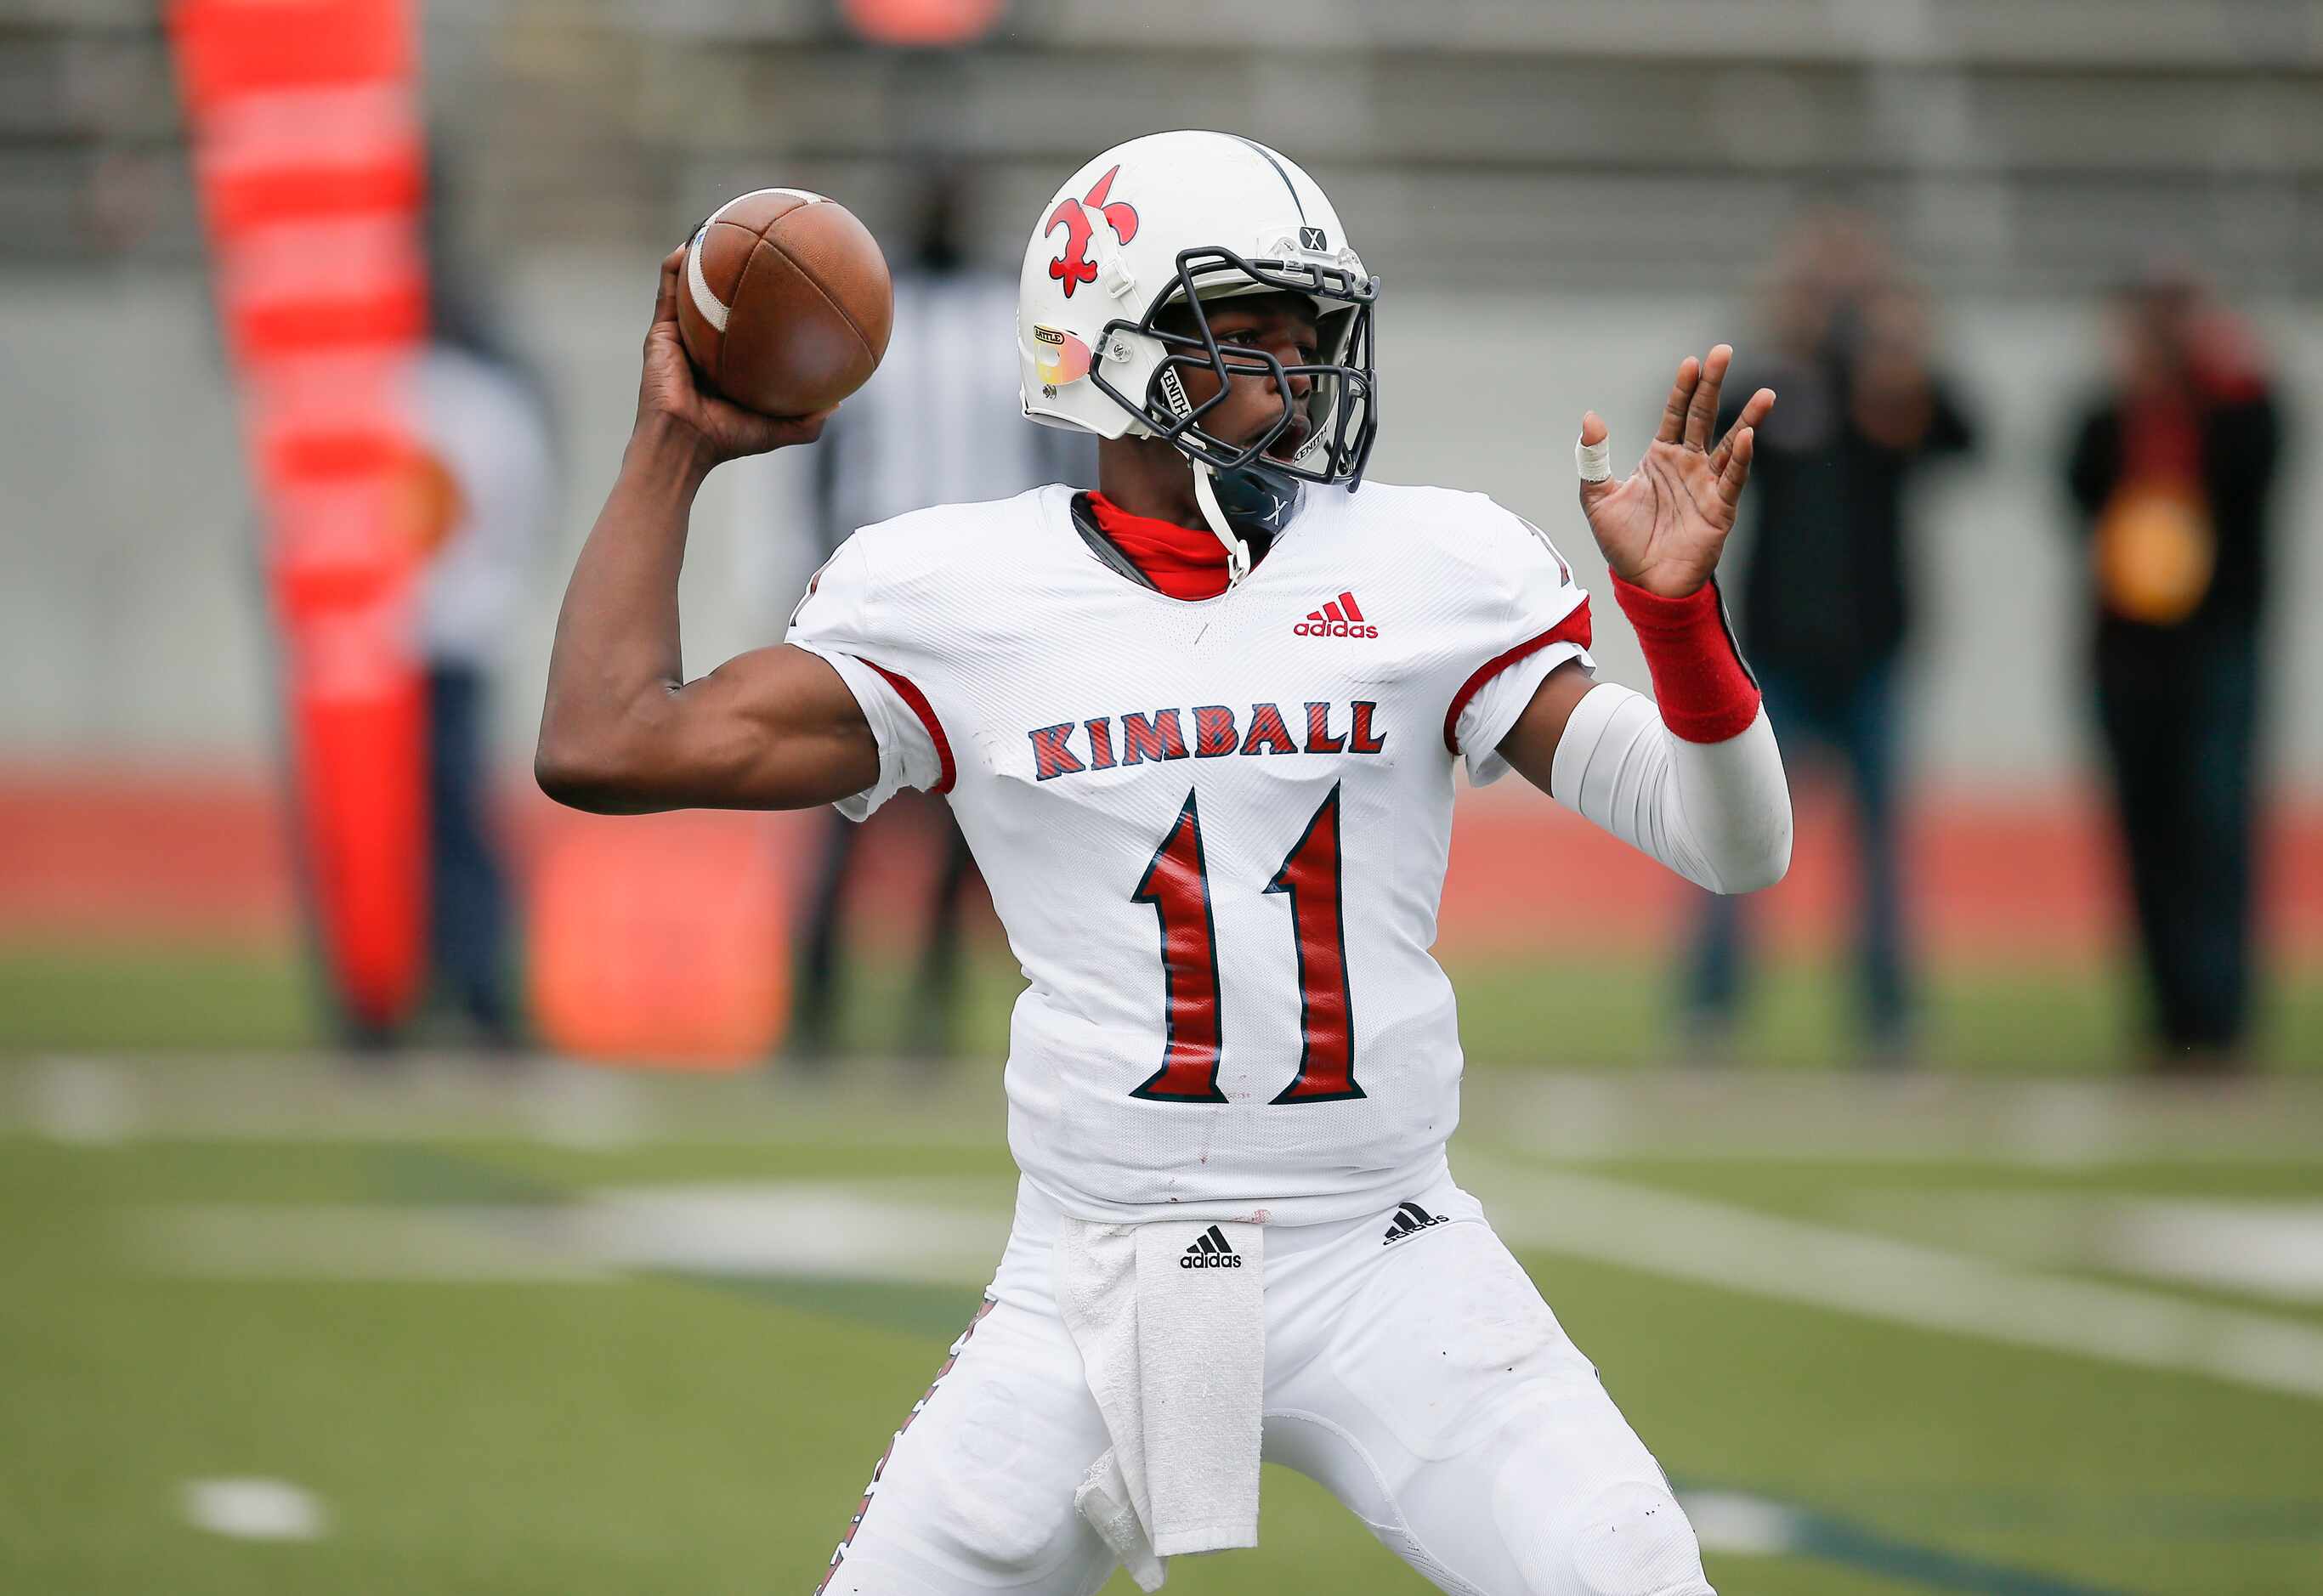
[2008, 145]
[1557, 196]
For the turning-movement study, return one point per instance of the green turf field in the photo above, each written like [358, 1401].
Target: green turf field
[539, 1332]
[1587, 1012]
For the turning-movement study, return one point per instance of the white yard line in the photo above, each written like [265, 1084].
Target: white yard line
[1920, 1117]
[2266, 1248]
[1743, 1526]
[1716, 1244]
[951, 1233]
[252, 1509]
[349, 1241]
[1743, 1115]
[918, 1231]
[90, 1100]
[886, 1230]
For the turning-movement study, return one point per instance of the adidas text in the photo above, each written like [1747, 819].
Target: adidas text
[1209, 1251]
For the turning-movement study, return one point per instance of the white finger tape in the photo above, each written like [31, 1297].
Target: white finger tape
[1594, 461]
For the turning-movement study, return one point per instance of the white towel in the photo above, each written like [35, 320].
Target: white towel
[1170, 1320]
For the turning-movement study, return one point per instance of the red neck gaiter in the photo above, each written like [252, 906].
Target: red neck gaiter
[1183, 561]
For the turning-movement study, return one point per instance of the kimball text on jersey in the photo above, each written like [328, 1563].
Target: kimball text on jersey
[1072, 746]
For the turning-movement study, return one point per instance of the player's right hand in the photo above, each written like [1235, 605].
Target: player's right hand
[668, 391]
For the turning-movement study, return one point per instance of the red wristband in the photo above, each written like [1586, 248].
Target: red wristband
[1701, 685]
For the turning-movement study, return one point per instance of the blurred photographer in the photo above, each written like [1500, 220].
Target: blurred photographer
[1825, 589]
[2171, 470]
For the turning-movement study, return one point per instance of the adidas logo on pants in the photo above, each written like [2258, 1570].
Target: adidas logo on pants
[1410, 1219]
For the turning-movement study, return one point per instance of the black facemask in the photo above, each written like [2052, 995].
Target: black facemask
[1342, 407]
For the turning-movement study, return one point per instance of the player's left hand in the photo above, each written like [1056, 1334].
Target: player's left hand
[1662, 526]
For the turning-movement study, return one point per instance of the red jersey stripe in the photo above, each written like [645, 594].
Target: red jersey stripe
[909, 692]
[1332, 610]
[1355, 611]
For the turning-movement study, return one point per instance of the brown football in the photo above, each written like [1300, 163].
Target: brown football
[787, 304]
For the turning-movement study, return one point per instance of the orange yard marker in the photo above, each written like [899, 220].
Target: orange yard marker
[659, 941]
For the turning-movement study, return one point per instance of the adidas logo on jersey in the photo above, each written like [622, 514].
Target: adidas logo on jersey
[1210, 1251]
[1410, 1219]
[1341, 618]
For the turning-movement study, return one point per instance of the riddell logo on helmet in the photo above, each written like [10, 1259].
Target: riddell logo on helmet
[1074, 268]
[1341, 618]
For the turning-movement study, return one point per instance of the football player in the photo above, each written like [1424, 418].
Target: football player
[1201, 728]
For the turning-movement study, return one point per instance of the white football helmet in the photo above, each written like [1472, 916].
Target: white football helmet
[1176, 219]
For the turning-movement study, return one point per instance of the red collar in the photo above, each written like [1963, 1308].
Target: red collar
[1183, 561]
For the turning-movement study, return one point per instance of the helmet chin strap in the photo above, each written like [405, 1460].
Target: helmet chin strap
[1206, 496]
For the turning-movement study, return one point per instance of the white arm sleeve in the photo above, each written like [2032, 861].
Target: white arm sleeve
[1717, 813]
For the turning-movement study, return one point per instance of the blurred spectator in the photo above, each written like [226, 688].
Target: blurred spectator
[1826, 584]
[939, 422]
[482, 487]
[2171, 470]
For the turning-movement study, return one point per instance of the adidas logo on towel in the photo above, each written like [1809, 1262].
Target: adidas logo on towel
[1210, 1251]
[1410, 1219]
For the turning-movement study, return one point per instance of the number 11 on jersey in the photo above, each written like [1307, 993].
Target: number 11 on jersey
[1177, 884]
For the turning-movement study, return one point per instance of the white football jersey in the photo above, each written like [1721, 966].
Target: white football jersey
[1214, 830]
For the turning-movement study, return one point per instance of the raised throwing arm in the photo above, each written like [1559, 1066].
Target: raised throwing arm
[622, 732]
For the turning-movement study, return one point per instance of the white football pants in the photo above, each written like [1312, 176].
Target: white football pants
[1421, 1379]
